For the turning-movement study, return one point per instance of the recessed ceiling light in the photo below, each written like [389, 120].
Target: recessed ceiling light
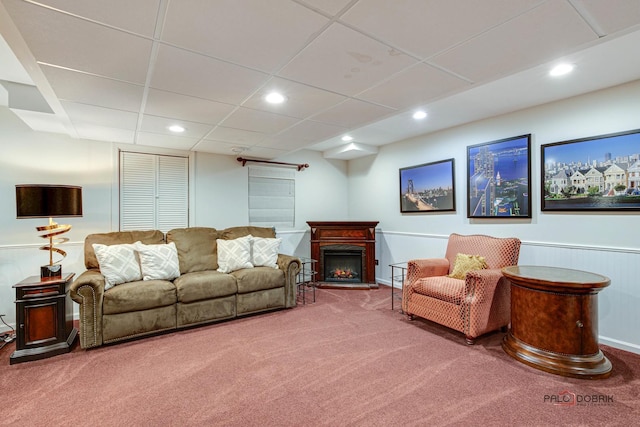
[176, 128]
[419, 115]
[347, 138]
[274, 98]
[561, 69]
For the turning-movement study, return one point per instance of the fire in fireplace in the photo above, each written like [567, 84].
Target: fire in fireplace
[343, 264]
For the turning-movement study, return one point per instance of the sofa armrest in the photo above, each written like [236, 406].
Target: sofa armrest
[88, 290]
[487, 299]
[290, 265]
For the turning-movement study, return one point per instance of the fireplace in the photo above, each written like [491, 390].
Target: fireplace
[343, 263]
[345, 251]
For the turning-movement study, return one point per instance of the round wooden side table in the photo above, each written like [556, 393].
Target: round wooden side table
[554, 320]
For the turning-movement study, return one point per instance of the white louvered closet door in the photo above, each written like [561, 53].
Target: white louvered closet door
[154, 192]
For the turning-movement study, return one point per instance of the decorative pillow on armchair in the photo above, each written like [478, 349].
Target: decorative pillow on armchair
[264, 251]
[158, 262]
[234, 254]
[465, 263]
[118, 263]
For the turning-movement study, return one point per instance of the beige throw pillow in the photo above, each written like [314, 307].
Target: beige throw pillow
[118, 263]
[158, 262]
[465, 263]
[264, 251]
[234, 254]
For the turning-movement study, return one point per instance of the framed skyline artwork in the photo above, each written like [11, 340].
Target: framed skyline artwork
[499, 178]
[600, 173]
[428, 187]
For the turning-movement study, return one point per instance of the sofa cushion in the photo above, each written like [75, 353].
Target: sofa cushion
[441, 287]
[158, 262]
[118, 263]
[235, 232]
[234, 254]
[201, 285]
[135, 296]
[148, 237]
[196, 248]
[258, 278]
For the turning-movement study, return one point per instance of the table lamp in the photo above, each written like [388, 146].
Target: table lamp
[49, 201]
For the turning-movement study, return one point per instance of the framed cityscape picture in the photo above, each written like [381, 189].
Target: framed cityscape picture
[600, 173]
[428, 187]
[499, 178]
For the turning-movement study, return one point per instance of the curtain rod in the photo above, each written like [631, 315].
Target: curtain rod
[300, 167]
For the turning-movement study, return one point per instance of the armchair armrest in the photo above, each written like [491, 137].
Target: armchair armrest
[88, 290]
[427, 267]
[487, 300]
[419, 268]
[290, 265]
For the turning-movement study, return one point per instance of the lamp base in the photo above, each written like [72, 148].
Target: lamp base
[51, 271]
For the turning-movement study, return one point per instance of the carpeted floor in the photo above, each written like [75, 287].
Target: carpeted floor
[347, 360]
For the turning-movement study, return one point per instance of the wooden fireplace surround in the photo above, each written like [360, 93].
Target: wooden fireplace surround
[356, 233]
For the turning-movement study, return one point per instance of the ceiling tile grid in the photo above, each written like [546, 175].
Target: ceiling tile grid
[124, 71]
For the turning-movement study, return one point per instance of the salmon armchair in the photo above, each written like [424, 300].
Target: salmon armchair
[479, 303]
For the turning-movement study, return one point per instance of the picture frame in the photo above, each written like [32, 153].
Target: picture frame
[499, 178]
[598, 173]
[428, 187]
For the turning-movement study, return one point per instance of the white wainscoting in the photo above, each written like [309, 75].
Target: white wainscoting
[618, 314]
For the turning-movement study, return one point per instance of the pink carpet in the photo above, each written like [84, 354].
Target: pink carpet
[347, 360]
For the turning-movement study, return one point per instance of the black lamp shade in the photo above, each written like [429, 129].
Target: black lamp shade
[47, 201]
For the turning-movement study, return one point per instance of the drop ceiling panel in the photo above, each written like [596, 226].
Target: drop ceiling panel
[546, 32]
[424, 28]
[83, 114]
[357, 62]
[60, 39]
[612, 17]
[415, 86]
[331, 7]
[137, 16]
[235, 136]
[101, 133]
[302, 135]
[160, 125]
[88, 89]
[184, 107]
[302, 100]
[197, 75]
[352, 113]
[255, 33]
[258, 121]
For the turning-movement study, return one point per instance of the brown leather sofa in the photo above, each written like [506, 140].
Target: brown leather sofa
[200, 295]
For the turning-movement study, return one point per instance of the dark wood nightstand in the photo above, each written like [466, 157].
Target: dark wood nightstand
[44, 314]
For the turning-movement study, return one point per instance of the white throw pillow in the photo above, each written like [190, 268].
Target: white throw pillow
[158, 262]
[118, 263]
[234, 254]
[264, 251]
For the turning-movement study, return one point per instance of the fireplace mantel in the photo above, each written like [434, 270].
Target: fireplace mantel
[355, 233]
